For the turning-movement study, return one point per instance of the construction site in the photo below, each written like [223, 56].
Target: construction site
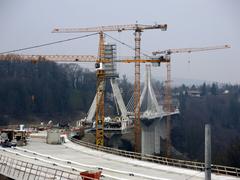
[125, 133]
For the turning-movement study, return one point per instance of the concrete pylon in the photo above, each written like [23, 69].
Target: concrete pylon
[119, 100]
[151, 128]
[111, 74]
[92, 110]
[118, 96]
[148, 94]
[153, 123]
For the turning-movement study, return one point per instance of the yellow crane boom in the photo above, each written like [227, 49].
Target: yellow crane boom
[56, 58]
[84, 58]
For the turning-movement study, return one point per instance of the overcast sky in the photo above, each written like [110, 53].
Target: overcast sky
[191, 23]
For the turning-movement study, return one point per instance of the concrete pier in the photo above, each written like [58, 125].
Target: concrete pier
[157, 138]
[115, 140]
[153, 130]
[148, 138]
[153, 123]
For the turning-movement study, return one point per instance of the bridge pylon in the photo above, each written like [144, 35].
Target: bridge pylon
[153, 123]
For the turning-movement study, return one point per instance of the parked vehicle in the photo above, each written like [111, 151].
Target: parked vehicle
[8, 144]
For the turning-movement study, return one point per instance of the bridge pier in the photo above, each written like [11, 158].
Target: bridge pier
[114, 140]
[163, 128]
[152, 132]
[148, 138]
[157, 138]
[153, 123]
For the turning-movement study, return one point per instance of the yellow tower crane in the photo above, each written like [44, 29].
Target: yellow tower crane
[137, 28]
[167, 91]
[99, 60]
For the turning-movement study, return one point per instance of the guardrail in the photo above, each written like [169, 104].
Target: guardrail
[18, 169]
[194, 165]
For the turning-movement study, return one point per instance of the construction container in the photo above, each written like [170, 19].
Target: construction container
[91, 175]
[53, 136]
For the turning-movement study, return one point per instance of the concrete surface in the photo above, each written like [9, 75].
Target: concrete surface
[112, 166]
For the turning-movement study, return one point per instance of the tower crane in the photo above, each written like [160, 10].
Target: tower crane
[99, 123]
[167, 91]
[137, 28]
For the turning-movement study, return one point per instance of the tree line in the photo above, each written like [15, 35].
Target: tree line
[43, 88]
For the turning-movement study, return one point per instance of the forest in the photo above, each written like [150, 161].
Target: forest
[31, 92]
[43, 90]
[218, 105]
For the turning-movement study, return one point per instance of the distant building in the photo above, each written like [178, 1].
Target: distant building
[194, 93]
[226, 92]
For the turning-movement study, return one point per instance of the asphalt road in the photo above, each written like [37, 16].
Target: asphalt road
[112, 166]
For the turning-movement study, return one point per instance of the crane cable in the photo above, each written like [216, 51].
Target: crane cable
[125, 44]
[69, 39]
[47, 44]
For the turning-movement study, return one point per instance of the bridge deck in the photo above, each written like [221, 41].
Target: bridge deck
[114, 167]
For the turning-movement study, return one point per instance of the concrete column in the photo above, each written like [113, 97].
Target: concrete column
[148, 139]
[162, 127]
[163, 133]
[207, 152]
[157, 137]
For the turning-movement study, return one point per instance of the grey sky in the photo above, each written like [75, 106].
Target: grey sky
[191, 23]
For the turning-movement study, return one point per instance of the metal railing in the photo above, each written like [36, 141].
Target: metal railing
[194, 165]
[18, 169]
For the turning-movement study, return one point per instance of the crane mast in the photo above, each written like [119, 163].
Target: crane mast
[167, 107]
[137, 93]
[99, 123]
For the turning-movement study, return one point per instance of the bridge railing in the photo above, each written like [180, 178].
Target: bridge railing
[199, 166]
[18, 169]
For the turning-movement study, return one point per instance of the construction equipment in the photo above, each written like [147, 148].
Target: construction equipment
[81, 58]
[167, 91]
[189, 50]
[137, 28]
[99, 123]
[100, 60]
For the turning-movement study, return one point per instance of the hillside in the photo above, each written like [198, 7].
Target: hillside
[222, 112]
